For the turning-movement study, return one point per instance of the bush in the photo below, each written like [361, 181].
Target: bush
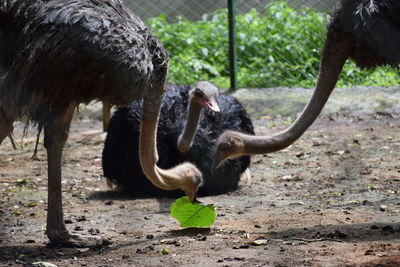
[280, 48]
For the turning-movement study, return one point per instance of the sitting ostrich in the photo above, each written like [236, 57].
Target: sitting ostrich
[367, 32]
[59, 53]
[184, 134]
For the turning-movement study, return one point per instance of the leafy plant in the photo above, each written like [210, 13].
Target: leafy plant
[278, 48]
[192, 214]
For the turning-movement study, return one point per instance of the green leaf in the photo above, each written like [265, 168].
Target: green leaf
[17, 213]
[192, 214]
[165, 251]
[32, 203]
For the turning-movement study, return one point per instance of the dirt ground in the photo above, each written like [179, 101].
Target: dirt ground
[331, 199]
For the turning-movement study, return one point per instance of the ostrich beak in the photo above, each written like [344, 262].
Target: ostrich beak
[218, 162]
[192, 194]
[213, 105]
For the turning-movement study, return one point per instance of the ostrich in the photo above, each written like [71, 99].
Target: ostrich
[181, 121]
[59, 53]
[367, 31]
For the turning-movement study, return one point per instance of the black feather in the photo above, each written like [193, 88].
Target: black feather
[373, 27]
[62, 51]
[120, 154]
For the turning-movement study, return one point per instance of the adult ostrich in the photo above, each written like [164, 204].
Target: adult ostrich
[59, 53]
[184, 134]
[367, 31]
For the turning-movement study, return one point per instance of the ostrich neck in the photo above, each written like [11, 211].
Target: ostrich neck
[185, 140]
[332, 63]
[164, 179]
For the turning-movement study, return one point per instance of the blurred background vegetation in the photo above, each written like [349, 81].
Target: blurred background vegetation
[278, 42]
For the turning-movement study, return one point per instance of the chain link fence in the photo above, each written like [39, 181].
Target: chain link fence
[194, 9]
[278, 43]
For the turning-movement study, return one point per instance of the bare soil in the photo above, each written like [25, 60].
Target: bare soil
[331, 199]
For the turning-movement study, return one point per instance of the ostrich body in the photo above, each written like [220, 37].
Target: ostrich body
[59, 53]
[121, 162]
[367, 31]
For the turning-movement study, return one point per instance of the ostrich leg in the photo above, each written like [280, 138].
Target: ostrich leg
[7, 117]
[106, 115]
[55, 136]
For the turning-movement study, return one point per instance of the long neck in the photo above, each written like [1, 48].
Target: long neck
[147, 142]
[185, 140]
[334, 57]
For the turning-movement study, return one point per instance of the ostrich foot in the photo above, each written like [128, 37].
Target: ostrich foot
[113, 184]
[65, 239]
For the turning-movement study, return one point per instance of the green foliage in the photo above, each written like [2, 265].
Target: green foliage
[278, 48]
[192, 214]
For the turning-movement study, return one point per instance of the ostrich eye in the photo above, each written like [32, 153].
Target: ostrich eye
[225, 146]
[199, 93]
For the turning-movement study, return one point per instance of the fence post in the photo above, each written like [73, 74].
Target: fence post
[232, 44]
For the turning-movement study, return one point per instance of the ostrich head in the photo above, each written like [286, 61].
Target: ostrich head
[203, 94]
[229, 145]
[206, 95]
[190, 180]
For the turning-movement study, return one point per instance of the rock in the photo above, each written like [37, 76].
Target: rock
[201, 237]
[150, 236]
[44, 264]
[259, 242]
[365, 202]
[370, 252]
[388, 228]
[83, 250]
[168, 241]
[94, 231]
[81, 219]
[144, 250]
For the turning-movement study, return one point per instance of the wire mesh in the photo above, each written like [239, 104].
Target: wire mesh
[278, 42]
[194, 9]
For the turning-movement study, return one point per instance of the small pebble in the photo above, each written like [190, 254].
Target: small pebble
[388, 228]
[94, 231]
[369, 252]
[81, 219]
